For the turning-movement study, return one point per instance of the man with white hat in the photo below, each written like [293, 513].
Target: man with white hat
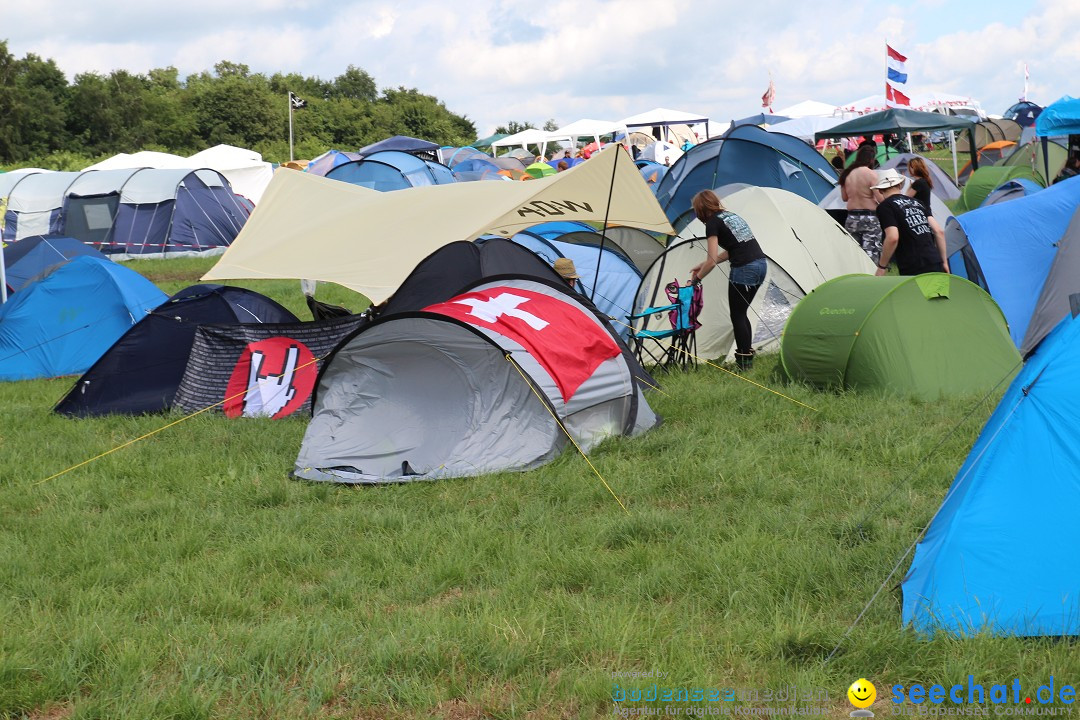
[910, 239]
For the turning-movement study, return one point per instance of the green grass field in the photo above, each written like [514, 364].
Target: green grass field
[186, 576]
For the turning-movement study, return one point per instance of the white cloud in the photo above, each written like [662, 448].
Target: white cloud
[527, 60]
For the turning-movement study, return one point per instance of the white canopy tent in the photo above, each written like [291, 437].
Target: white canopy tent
[141, 159]
[590, 129]
[805, 127]
[530, 136]
[244, 169]
[809, 108]
[662, 117]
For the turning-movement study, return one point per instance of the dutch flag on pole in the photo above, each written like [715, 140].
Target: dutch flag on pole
[897, 68]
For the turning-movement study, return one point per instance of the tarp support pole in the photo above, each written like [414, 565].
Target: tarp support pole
[974, 150]
[288, 99]
[603, 230]
[952, 147]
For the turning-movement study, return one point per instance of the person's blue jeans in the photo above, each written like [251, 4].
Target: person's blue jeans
[743, 284]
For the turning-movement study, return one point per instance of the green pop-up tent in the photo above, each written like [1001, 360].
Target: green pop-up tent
[899, 121]
[925, 336]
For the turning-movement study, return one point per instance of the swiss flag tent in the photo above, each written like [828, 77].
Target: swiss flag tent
[470, 386]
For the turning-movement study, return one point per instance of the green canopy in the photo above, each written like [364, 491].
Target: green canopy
[985, 180]
[896, 120]
[486, 142]
[925, 336]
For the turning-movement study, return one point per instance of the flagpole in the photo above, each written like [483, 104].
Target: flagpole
[289, 100]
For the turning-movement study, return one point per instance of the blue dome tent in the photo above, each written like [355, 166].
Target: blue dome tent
[62, 323]
[999, 557]
[746, 154]
[392, 170]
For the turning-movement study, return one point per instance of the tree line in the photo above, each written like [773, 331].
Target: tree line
[47, 121]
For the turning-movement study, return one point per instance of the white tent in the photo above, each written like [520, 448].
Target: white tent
[530, 136]
[319, 229]
[141, 159]
[660, 151]
[805, 127]
[660, 117]
[590, 129]
[809, 108]
[244, 169]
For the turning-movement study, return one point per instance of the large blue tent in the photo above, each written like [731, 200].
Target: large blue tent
[746, 154]
[62, 323]
[392, 170]
[1016, 243]
[999, 556]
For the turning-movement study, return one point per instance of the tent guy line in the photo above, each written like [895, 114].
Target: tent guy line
[555, 417]
[919, 536]
[228, 399]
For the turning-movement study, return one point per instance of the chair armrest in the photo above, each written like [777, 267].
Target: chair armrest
[653, 311]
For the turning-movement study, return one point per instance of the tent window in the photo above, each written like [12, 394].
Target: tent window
[98, 217]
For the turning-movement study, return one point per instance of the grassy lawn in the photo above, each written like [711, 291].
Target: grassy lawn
[186, 576]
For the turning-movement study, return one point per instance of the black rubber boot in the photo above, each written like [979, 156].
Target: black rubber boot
[744, 361]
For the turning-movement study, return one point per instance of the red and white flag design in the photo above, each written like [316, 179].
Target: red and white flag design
[569, 345]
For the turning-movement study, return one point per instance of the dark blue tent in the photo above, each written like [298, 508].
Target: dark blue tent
[1024, 113]
[746, 154]
[404, 143]
[1000, 554]
[142, 370]
[35, 255]
[62, 323]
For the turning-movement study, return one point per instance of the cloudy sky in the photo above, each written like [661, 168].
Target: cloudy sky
[500, 60]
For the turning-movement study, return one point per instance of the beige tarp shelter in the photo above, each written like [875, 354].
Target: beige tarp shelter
[318, 229]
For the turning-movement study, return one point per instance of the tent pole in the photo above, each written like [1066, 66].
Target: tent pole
[974, 150]
[603, 230]
[952, 146]
[288, 99]
[3, 277]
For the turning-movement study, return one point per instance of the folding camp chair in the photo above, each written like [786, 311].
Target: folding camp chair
[674, 347]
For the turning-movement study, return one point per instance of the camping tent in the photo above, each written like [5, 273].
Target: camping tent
[749, 155]
[1024, 113]
[1011, 190]
[314, 228]
[1011, 509]
[149, 212]
[424, 149]
[34, 256]
[927, 336]
[392, 170]
[804, 246]
[989, 154]
[1045, 158]
[1016, 244]
[984, 180]
[470, 386]
[248, 174]
[63, 322]
[330, 160]
[1061, 283]
[140, 372]
[34, 203]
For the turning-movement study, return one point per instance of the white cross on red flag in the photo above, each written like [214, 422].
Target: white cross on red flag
[566, 343]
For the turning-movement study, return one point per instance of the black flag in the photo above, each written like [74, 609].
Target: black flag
[296, 101]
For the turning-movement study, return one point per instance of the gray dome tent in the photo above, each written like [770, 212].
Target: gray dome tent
[470, 386]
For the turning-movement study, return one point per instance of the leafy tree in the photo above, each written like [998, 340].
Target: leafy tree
[355, 84]
[551, 125]
[513, 127]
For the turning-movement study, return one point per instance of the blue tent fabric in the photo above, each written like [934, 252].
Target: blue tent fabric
[62, 323]
[330, 160]
[402, 143]
[392, 170]
[1059, 118]
[142, 370]
[1016, 242]
[746, 154]
[614, 288]
[1011, 190]
[553, 230]
[32, 256]
[999, 556]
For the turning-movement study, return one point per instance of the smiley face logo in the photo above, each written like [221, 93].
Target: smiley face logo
[862, 693]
